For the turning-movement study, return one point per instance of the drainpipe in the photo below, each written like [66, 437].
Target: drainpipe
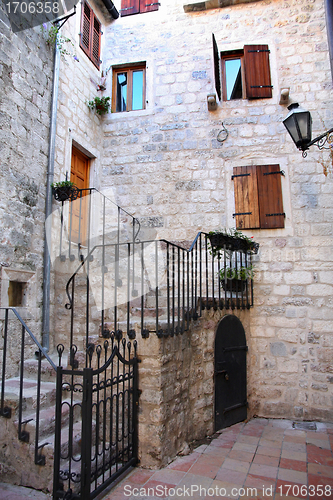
[48, 204]
[329, 27]
[111, 9]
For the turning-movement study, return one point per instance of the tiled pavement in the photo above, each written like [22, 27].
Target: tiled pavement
[260, 459]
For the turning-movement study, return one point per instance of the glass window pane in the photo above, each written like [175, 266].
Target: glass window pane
[137, 100]
[233, 78]
[121, 104]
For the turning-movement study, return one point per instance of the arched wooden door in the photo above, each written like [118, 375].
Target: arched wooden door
[230, 373]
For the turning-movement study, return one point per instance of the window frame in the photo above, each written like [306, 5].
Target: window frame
[129, 69]
[227, 56]
[90, 47]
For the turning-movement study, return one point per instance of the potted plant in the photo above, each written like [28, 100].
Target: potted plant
[231, 239]
[99, 104]
[65, 190]
[233, 279]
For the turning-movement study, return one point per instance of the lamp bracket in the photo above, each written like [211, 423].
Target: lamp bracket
[323, 141]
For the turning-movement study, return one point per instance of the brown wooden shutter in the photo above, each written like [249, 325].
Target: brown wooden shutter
[257, 72]
[148, 5]
[246, 197]
[217, 67]
[96, 42]
[85, 39]
[270, 196]
[129, 7]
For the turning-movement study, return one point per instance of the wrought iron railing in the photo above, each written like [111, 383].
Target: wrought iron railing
[90, 219]
[155, 287]
[18, 345]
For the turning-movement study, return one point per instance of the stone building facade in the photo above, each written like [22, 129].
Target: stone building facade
[165, 165]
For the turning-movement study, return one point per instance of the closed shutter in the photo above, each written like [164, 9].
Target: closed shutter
[257, 71]
[85, 28]
[217, 71]
[148, 5]
[129, 7]
[96, 42]
[246, 197]
[270, 196]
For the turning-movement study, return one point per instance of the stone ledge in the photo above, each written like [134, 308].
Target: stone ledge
[199, 5]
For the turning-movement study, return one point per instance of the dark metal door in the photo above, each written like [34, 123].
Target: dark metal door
[96, 421]
[230, 373]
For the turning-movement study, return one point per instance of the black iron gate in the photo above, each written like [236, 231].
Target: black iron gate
[230, 373]
[96, 420]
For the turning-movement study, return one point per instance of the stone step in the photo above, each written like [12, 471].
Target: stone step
[46, 420]
[48, 374]
[12, 392]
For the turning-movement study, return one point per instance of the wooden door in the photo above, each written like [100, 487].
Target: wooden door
[78, 222]
[230, 373]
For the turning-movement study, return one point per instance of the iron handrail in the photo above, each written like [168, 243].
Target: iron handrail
[6, 412]
[27, 329]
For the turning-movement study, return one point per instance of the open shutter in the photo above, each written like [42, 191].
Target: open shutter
[257, 72]
[246, 197]
[217, 70]
[148, 5]
[96, 42]
[129, 7]
[270, 196]
[85, 28]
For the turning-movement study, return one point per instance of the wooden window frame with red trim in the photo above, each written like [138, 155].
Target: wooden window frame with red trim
[130, 7]
[90, 35]
[255, 71]
[258, 197]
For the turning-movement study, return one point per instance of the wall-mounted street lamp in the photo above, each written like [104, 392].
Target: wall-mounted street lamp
[299, 125]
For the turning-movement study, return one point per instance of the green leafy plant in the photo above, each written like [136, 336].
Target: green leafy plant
[52, 37]
[62, 184]
[99, 104]
[241, 273]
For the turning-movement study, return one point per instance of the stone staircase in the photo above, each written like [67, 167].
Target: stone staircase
[17, 456]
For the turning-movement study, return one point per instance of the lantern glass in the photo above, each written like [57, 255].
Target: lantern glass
[299, 123]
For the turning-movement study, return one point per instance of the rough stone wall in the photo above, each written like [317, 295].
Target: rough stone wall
[26, 72]
[167, 167]
[176, 377]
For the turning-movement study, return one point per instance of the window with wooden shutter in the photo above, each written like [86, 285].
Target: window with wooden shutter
[90, 39]
[129, 7]
[257, 72]
[245, 72]
[258, 197]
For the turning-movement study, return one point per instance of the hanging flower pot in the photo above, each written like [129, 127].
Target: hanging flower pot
[231, 239]
[65, 190]
[234, 280]
[100, 104]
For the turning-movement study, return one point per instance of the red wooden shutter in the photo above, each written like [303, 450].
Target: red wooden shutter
[257, 72]
[96, 42]
[217, 65]
[270, 196]
[129, 7]
[246, 197]
[148, 5]
[85, 39]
